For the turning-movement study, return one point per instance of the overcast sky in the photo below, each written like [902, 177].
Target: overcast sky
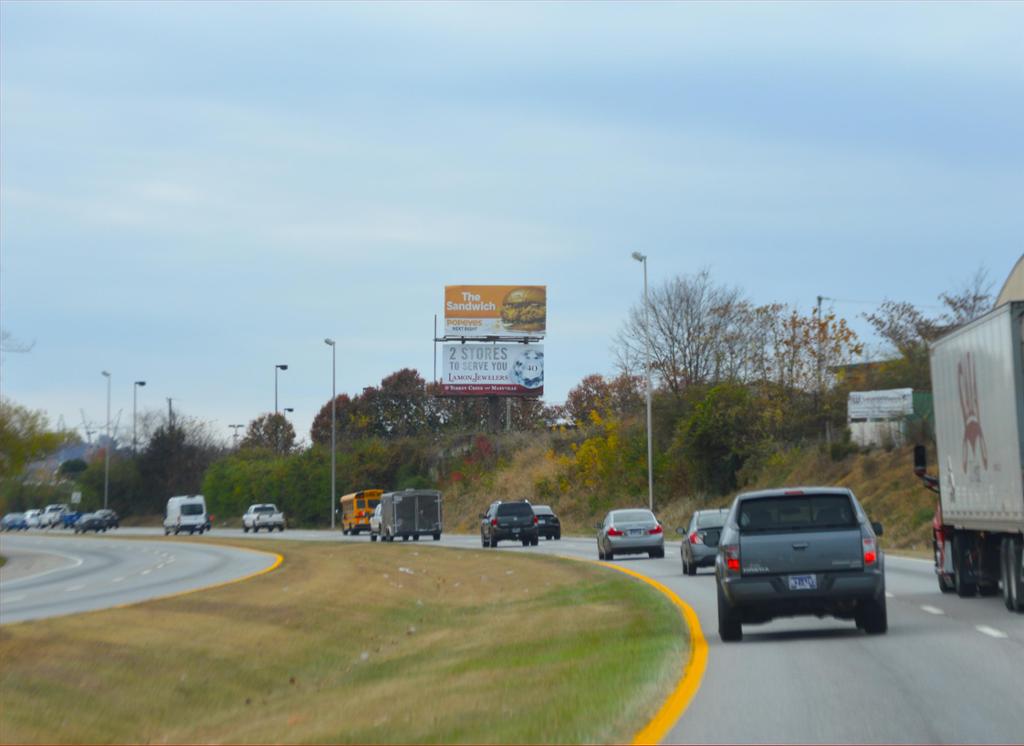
[194, 192]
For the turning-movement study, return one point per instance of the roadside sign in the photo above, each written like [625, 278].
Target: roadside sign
[76, 497]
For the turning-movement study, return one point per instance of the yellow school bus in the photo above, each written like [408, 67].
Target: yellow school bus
[356, 509]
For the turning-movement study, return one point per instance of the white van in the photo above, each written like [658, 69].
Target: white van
[185, 513]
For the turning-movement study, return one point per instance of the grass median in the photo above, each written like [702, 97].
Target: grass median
[357, 644]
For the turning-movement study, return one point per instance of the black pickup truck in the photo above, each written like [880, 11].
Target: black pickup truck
[799, 551]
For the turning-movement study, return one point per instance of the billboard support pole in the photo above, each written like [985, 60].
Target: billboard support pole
[435, 348]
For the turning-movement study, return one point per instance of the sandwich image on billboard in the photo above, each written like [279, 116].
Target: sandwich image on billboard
[493, 370]
[495, 310]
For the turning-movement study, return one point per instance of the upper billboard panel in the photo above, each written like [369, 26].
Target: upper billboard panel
[495, 310]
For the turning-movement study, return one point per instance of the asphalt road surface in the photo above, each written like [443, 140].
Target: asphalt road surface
[950, 670]
[51, 574]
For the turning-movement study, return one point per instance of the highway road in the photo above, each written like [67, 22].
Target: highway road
[949, 670]
[54, 575]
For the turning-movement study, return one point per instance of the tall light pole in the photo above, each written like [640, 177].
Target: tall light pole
[642, 258]
[135, 407]
[106, 457]
[277, 368]
[235, 436]
[330, 343]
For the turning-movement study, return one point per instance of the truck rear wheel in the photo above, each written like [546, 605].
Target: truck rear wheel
[729, 627]
[373, 536]
[872, 617]
[1012, 574]
[963, 566]
[437, 536]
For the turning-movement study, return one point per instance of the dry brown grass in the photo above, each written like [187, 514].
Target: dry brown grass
[355, 643]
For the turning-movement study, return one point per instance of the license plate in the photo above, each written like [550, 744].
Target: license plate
[515, 530]
[635, 531]
[803, 582]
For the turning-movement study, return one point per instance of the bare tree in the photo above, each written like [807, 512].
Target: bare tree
[693, 330]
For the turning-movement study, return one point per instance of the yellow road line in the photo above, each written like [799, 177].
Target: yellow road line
[693, 671]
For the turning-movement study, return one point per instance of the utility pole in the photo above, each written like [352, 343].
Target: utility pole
[170, 413]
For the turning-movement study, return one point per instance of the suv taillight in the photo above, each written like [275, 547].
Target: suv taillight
[870, 550]
[494, 521]
[535, 520]
[695, 538]
[732, 557]
[612, 531]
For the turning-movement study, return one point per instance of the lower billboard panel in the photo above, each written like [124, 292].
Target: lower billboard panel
[493, 370]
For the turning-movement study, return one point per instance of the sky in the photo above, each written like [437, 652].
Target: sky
[192, 193]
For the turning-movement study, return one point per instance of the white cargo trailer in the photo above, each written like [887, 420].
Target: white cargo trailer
[978, 385]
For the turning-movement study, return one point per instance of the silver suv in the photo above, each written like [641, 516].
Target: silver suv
[799, 551]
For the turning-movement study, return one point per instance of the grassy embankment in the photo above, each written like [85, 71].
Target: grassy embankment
[882, 480]
[355, 644]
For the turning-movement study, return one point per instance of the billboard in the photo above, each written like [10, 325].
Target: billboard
[495, 310]
[880, 404]
[493, 370]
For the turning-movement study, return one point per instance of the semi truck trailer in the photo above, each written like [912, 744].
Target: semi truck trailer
[977, 374]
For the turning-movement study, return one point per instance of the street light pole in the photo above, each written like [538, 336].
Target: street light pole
[106, 457]
[235, 436]
[135, 407]
[642, 258]
[330, 342]
[277, 368]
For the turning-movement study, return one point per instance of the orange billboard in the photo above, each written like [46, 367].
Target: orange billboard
[495, 310]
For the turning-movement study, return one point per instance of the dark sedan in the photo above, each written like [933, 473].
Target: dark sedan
[110, 518]
[548, 524]
[90, 522]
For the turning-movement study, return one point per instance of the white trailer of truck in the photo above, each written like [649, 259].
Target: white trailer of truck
[978, 386]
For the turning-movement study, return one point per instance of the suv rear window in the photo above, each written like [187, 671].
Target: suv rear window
[191, 509]
[520, 509]
[796, 513]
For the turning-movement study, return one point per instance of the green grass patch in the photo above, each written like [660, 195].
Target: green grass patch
[356, 644]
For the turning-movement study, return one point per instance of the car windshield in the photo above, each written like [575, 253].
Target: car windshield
[796, 513]
[191, 509]
[265, 509]
[711, 520]
[519, 509]
[632, 516]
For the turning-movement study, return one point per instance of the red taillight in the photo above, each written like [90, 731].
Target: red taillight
[695, 539]
[870, 550]
[732, 557]
[494, 521]
[612, 531]
[535, 520]
[655, 530]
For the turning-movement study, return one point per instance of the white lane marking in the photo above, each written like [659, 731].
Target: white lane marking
[160, 565]
[72, 588]
[991, 632]
[146, 572]
[117, 580]
[76, 562]
[11, 599]
[889, 595]
[933, 610]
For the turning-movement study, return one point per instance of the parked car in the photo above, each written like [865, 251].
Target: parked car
[90, 522]
[185, 513]
[548, 524]
[508, 521]
[630, 531]
[32, 517]
[52, 515]
[262, 515]
[799, 551]
[68, 520]
[13, 522]
[109, 517]
[700, 539]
